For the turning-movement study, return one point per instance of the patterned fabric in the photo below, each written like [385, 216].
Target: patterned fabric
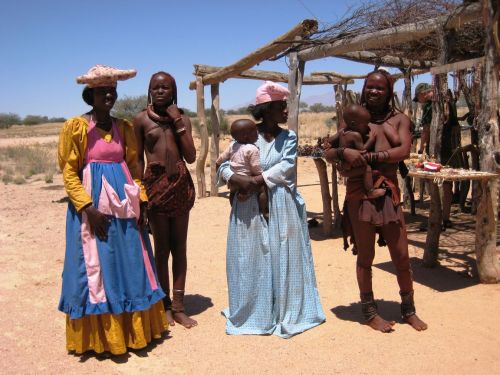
[72, 149]
[244, 159]
[270, 270]
[105, 283]
[170, 195]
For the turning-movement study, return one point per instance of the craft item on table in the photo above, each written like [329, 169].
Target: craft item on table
[432, 167]
[310, 151]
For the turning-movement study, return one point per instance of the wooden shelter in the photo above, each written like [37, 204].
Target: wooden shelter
[465, 32]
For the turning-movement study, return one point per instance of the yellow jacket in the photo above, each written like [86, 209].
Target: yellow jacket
[71, 154]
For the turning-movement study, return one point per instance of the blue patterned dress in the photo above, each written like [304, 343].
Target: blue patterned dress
[270, 270]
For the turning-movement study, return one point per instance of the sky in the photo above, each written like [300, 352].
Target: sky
[47, 44]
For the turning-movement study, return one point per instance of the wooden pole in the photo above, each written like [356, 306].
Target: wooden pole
[408, 109]
[200, 162]
[489, 147]
[335, 188]
[271, 49]
[214, 144]
[325, 196]
[372, 58]
[265, 75]
[439, 108]
[294, 86]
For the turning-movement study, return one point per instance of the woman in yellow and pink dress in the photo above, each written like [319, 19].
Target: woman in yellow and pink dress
[110, 293]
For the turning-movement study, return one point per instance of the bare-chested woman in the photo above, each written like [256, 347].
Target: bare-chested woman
[164, 133]
[365, 215]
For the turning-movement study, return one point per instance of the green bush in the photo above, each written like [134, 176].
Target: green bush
[35, 119]
[9, 119]
[223, 126]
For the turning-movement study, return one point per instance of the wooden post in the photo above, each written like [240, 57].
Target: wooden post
[335, 200]
[325, 196]
[214, 144]
[200, 163]
[489, 147]
[408, 109]
[294, 86]
[439, 108]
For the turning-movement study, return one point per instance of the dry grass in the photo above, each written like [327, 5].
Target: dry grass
[27, 131]
[23, 163]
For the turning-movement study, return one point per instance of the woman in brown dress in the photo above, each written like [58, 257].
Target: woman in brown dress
[163, 132]
[365, 216]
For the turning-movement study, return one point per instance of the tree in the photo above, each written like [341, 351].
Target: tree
[35, 119]
[9, 119]
[129, 106]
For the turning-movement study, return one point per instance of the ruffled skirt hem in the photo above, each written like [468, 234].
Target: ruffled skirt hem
[116, 333]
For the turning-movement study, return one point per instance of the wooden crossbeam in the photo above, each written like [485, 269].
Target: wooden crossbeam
[271, 49]
[392, 36]
[363, 76]
[457, 66]
[265, 75]
[369, 57]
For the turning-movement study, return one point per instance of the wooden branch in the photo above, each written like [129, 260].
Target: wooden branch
[457, 66]
[214, 144]
[325, 196]
[200, 162]
[295, 87]
[264, 75]
[439, 111]
[369, 57]
[303, 29]
[489, 146]
[350, 77]
[391, 36]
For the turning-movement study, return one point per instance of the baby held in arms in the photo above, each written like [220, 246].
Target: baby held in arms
[360, 135]
[244, 159]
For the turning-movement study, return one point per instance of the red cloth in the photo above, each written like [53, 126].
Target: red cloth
[170, 195]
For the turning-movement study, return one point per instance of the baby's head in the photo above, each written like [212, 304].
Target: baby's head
[244, 131]
[356, 118]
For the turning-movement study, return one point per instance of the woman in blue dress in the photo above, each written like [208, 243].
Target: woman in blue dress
[270, 270]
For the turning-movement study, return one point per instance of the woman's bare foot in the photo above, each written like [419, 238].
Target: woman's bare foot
[184, 320]
[415, 322]
[170, 317]
[379, 324]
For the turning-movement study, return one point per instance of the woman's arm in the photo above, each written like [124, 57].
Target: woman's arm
[183, 131]
[71, 149]
[132, 156]
[139, 139]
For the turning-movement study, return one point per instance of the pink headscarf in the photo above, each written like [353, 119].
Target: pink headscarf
[270, 92]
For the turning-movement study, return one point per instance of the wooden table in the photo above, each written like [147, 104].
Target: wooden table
[486, 217]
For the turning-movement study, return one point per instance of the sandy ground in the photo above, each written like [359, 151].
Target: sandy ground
[463, 335]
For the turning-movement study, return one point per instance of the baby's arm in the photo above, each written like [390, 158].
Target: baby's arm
[225, 156]
[354, 140]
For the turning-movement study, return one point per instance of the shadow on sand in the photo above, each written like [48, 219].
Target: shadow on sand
[389, 310]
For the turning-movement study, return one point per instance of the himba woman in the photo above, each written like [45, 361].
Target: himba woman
[110, 293]
[364, 216]
[164, 133]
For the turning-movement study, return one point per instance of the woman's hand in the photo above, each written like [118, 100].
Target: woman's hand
[174, 113]
[98, 222]
[143, 216]
[246, 183]
[354, 158]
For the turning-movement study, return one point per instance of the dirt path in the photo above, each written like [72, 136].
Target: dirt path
[463, 337]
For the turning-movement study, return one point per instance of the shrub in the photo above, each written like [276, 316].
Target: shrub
[9, 119]
[35, 119]
[27, 161]
[223, 126]
[129, 106]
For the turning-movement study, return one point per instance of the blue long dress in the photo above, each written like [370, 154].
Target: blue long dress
[270, 270]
